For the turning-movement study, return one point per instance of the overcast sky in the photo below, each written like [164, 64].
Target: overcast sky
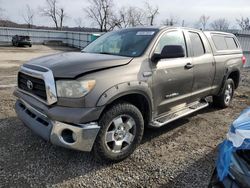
[189, 10]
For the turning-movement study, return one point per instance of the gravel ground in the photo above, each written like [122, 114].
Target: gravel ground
[181, 154]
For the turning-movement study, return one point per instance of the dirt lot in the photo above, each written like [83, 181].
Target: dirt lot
[181, 154]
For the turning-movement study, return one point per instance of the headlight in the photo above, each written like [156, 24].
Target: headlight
[74, 88]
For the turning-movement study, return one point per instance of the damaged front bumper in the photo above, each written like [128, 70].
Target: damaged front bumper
[238, 175]
[73, 136]
[233, 162]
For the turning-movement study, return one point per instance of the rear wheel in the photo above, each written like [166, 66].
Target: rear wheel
[121, 132]
[224, 100]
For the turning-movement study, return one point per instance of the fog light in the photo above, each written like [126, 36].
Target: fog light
[68, 136]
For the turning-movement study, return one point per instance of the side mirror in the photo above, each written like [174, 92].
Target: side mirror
[169, 51]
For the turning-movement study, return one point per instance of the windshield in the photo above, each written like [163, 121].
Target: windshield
[129, 42]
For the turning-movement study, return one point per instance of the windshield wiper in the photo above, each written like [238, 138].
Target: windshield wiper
[106, 53]
[98, 52]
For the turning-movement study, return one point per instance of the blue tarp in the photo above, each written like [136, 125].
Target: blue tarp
[238, 138]
[243, 121]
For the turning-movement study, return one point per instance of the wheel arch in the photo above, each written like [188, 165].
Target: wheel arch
[235, 76]
[136, 93]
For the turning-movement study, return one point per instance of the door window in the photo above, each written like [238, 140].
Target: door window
[171, 38]
[197, 44]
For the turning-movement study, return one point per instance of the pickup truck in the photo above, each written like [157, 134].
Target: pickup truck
[102, 98]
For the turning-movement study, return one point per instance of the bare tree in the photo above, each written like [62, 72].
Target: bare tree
[61, 16]
[171, 21]
[127, 17]
[151, 12]
[116, 20]
[28, 16]
[183, 24]
[203, 21]
[220, 24]
[132, 16]
[244, 23]
[120, 20]
[50, 11]
[101, 13]
[53, 11]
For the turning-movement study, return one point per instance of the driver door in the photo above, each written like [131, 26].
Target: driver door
[172, 78]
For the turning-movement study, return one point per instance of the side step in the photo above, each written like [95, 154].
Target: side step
[160, 121]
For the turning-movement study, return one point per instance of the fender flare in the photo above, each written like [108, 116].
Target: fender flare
[227, 73]
[123, 89]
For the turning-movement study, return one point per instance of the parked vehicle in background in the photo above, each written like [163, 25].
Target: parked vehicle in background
[101, 99]
[20, 40]
[233, 163]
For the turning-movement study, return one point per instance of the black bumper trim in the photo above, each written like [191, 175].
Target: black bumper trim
[32, 120]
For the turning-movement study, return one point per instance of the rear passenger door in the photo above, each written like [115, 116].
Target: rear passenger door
[203, 64]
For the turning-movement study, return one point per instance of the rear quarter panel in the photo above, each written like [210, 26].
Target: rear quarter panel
[227, 61]
[226, 64]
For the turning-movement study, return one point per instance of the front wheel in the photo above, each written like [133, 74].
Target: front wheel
[224, 100]
[121, 131]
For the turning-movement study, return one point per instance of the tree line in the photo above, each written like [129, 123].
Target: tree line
[222, 23]
[106, 16]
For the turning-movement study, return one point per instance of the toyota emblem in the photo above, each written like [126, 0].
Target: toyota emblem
[29, 85]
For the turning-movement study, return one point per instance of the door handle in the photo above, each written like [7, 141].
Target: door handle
[189, 66]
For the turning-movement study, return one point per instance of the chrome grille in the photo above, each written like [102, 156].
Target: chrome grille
[38, 82]
[38, 85]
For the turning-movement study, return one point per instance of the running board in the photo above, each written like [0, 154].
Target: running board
[160, 121]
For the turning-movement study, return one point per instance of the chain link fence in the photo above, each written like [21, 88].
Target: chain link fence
[38, 36]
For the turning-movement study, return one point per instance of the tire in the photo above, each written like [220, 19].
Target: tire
[225, 99]
[30, 45]
[121, 131]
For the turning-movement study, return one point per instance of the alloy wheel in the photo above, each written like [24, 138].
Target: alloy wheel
[120, 133]
[228, 93]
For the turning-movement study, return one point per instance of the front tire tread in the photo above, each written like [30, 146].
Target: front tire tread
[99, 150]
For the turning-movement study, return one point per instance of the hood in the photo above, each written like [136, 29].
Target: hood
[73, 64]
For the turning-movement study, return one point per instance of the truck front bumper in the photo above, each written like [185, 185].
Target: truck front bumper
[73, 136]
